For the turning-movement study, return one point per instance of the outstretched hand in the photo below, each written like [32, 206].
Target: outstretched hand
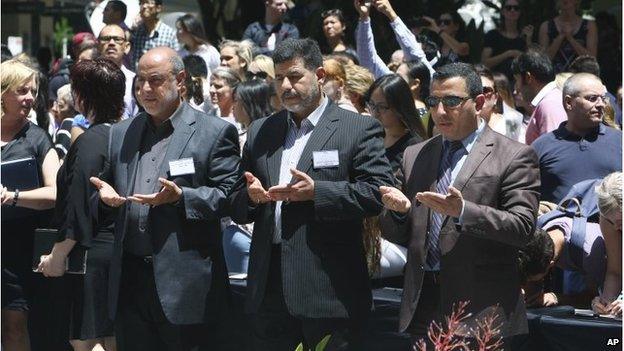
[108, 195]
[168, 194]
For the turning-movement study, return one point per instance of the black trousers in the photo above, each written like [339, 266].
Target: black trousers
[141, 323]
[275, 329]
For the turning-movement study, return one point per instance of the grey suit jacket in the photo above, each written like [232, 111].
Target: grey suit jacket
[189, 267]
[499, 182]
[324, 271]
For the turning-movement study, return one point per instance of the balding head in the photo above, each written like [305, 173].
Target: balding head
[160, 82]
[584, 100]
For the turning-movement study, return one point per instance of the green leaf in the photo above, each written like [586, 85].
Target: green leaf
[299, 347]
[323, 343]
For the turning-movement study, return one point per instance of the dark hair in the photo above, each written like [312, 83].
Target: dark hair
[119, 6]
[6, 53]
[429, 46]
[399, 98]
[157, 2]
[256, 98]
[501, 20]
[535, 257]
[344, 57]
[416, 69]
[196, 69]
[457, 19]
[100, 84]
[306, 49]
[464, 71]
[333, 12]
[536, 62]
[585, 64]
[88, 46]
[483, 71]
[192, 25]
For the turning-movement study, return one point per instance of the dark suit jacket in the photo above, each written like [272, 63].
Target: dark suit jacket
[188, 256]
[324, 271]
[500, 184]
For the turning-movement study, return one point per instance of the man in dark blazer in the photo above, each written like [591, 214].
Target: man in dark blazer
[313, 173]
[463, 239]
[169, 172]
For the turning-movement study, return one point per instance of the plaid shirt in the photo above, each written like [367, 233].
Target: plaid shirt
[142, 41]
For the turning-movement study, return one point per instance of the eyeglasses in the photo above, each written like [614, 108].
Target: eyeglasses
[512, 8]
[447, 101]
[488, 90]
[107, 38]
[377, 108]
[444, 21]
[256, 75]
[593, 98]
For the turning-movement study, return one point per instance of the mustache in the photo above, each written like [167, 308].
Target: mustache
[289, 94]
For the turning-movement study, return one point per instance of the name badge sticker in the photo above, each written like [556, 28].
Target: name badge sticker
[181, 167]
[325, 159]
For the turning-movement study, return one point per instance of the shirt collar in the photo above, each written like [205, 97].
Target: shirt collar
[175, 119]
[564, 133]
[314, 117]
[543, 92]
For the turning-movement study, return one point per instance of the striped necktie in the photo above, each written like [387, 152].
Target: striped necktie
[444, 181]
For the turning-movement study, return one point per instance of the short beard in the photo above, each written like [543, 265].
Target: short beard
[313, 95]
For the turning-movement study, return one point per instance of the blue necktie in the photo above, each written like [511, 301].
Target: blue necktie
[444, 181]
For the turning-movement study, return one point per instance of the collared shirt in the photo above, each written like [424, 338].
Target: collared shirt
[259, 33]
[566, 158]
[130, 106]
[548, 113]
[543, 92]
[142, 40]
[154, 143]
[296, 140]
[457, 162]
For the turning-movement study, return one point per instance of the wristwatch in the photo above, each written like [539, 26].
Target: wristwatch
[15, 197]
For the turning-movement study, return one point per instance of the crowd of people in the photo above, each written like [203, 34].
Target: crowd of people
[312, 170]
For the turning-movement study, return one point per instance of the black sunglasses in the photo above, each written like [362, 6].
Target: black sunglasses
[107, 38]
[444, 21]
[512, 8]
[447, 101]
[488, 90]
[253, 75]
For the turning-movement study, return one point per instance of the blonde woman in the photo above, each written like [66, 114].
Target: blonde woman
[20, 207]
[236, 55]
[261, 67]
[359, 80]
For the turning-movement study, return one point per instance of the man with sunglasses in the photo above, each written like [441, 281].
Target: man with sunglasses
[583, 147]
[113, 44]
[469, 202]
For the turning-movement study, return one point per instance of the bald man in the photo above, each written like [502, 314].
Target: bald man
[583, 147]
[170, 170]
[114, 45]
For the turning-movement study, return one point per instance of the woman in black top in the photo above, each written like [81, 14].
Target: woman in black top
[334, 27]
[21, 207]
[98, 87]
[508, 41]
[451, 28]
[390, 101]
[568, 36]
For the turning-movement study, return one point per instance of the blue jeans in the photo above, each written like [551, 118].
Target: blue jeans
[236, 243]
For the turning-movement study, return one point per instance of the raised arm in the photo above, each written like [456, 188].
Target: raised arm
[365, 43]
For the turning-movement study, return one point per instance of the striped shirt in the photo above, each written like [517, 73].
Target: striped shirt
[296, 140]
[143, 41]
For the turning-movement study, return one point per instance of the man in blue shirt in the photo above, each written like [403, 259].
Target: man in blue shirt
[270, 32]
[582, 147]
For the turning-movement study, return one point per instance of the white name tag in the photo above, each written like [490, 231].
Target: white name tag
[181, 167]
[325, 159]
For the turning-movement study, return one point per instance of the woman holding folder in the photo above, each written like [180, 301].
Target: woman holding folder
[21, 140]
[98, 90]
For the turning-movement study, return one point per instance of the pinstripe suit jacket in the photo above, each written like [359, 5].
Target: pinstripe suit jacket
[324, 272]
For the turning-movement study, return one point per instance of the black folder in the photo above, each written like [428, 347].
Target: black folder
[44, 241]
[22, 174]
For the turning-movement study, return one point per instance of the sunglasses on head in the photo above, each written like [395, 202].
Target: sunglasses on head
[512, 8]
[444, 21]
[447, 101]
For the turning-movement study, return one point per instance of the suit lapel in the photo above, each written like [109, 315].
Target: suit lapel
[180, 137]
[480, 150]
[278, 125]
[322, 132]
